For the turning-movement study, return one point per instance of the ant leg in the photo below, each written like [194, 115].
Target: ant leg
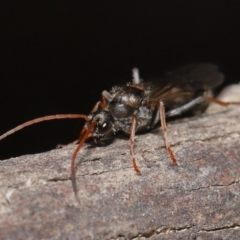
[135, 74]
[96, 106]
[164, 129]
[106, 97]
[214, 100]
[185, 107]
[132, 135]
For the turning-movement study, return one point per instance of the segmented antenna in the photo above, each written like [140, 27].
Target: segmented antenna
[41, 119]
[84, 136]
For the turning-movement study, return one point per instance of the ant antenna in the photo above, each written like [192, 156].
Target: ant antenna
[41, 119]
[86, 134]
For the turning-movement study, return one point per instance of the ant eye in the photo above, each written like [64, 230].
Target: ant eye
[105, 127]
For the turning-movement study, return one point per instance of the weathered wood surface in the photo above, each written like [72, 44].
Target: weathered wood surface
[199, 199]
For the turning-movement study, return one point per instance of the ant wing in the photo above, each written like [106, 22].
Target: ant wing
[197, 76]
[183, 84]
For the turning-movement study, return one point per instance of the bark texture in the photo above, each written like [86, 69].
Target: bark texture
[199, 199]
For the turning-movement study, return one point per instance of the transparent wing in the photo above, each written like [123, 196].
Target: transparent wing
[184, 83]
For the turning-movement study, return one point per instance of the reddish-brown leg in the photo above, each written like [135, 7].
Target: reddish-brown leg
[106, 98]
[101, 104]
[214, 100]
[132, 135]
[164, 129]
[95, 108]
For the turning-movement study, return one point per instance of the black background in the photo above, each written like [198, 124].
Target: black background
[57, 56]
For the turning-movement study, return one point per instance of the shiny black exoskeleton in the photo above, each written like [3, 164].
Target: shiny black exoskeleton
[182, 90]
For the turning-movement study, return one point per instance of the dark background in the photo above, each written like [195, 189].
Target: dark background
[57, 56]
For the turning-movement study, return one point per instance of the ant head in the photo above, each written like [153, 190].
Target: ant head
[104, 125]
